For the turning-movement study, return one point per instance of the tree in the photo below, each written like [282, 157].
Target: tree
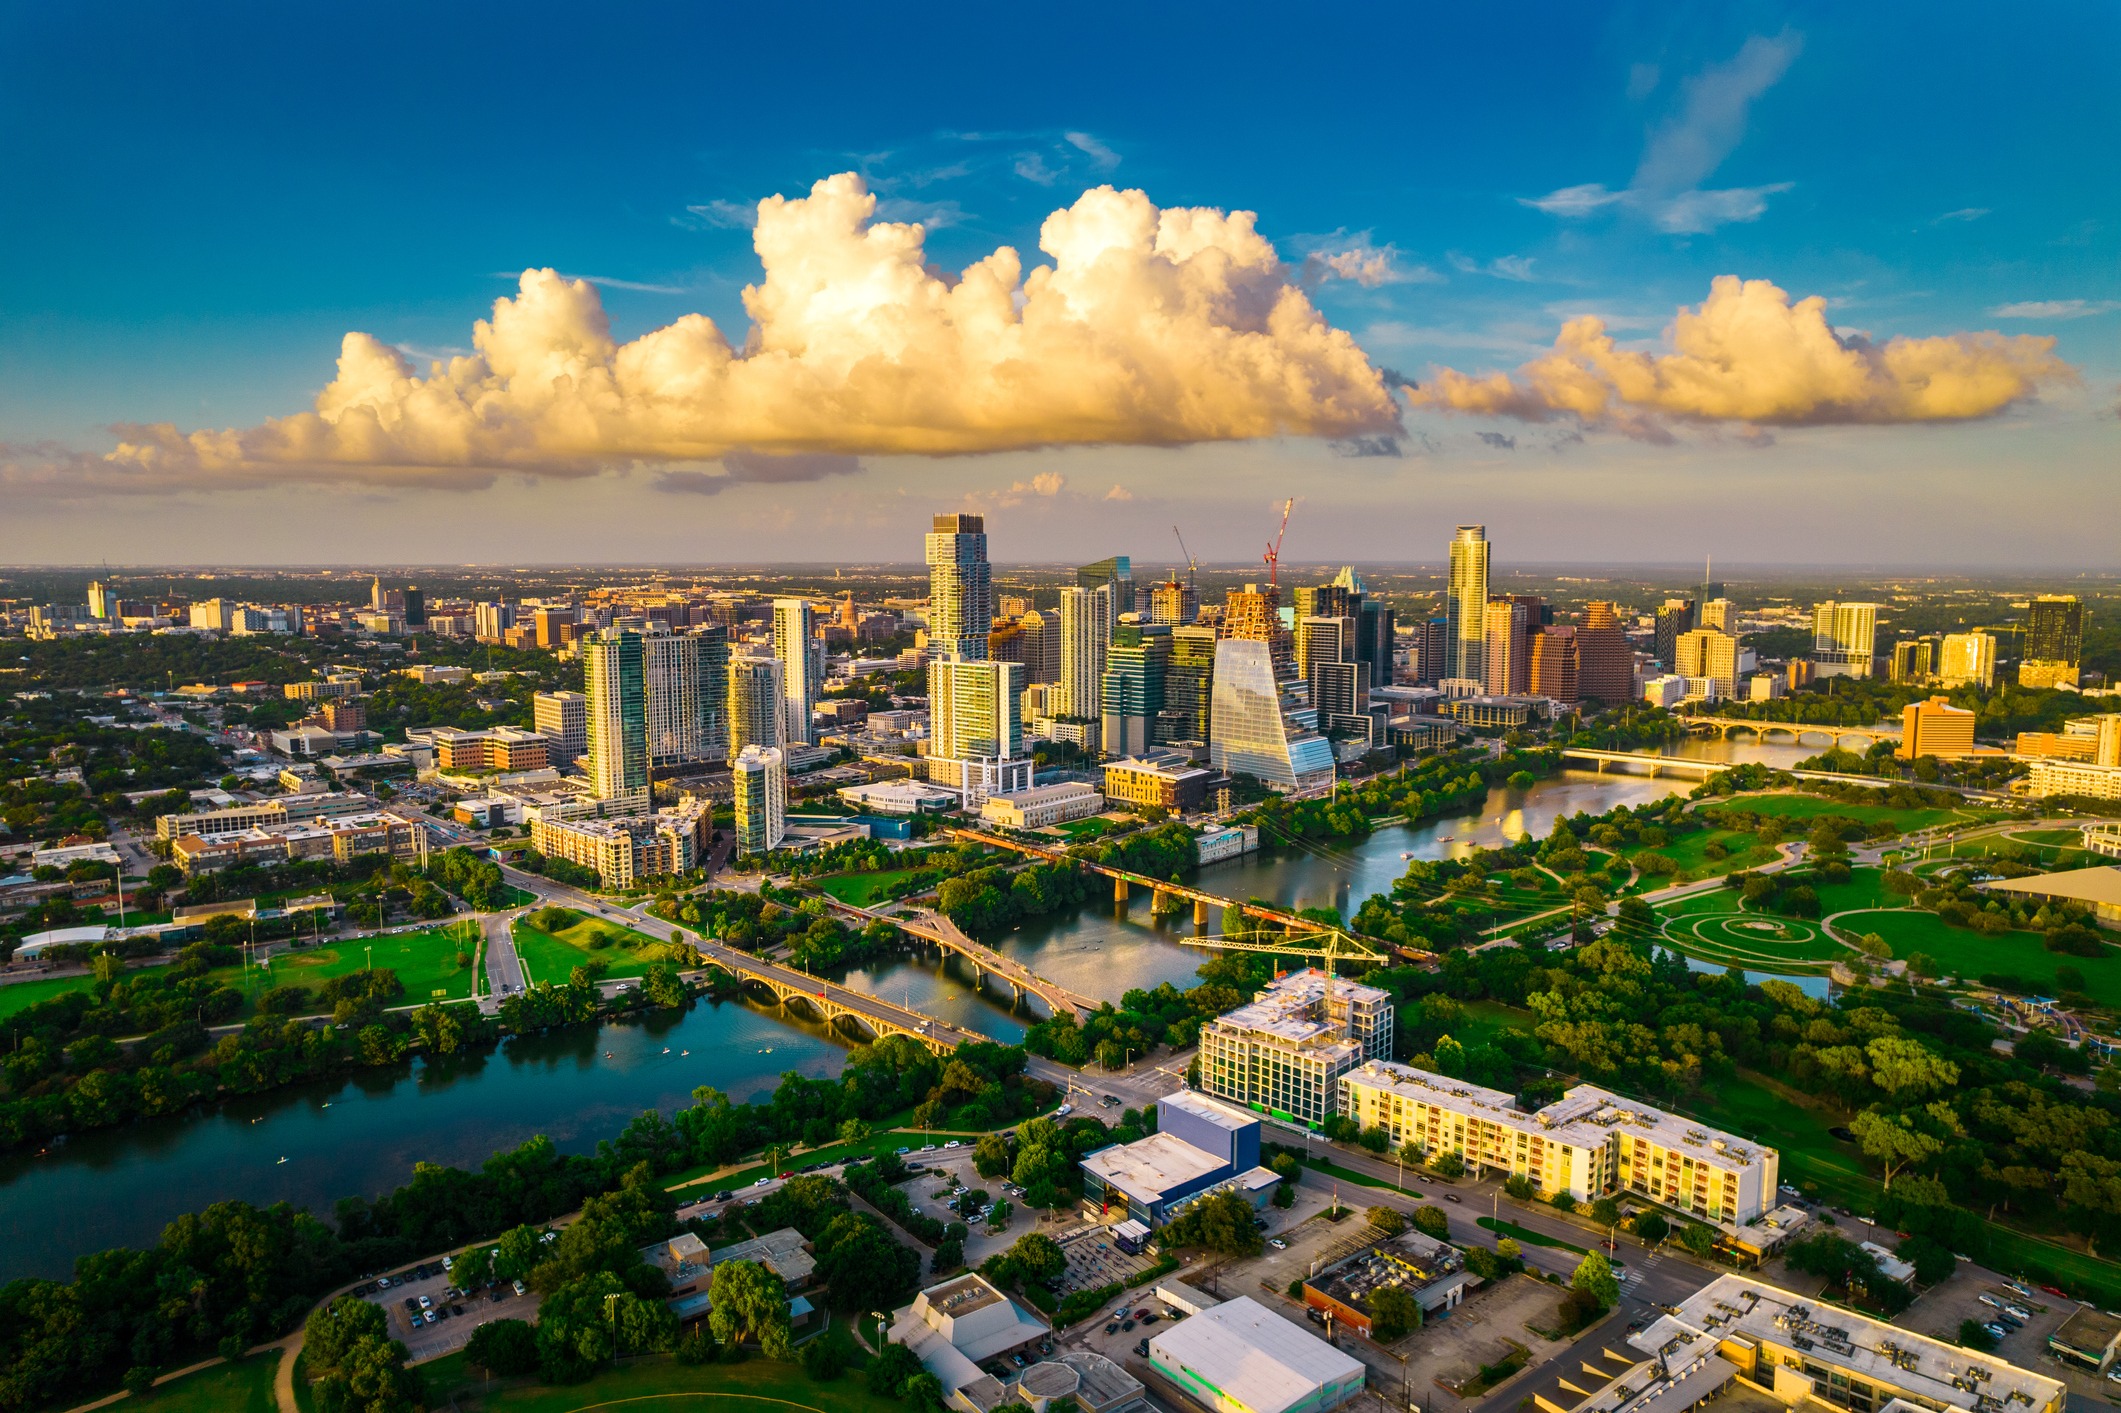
[1933, 1260]
[1652, 1227]
[1393, 1312]
[504, 1347]
[1221, 1221]
[889, 1371]
[1594, 1276]
[1698, 1240]
[333, 1330]
[592, 1319]
[1605, 1211]
[2091, 1190]
[1519, 1187]
[1389, 1220]
[748, 1300]
[1904, 1069]
[990, 1156]
[1431, 1221]
[1893, 1141]
[1974, 1335]
[861, 1262]
[1449, 1165]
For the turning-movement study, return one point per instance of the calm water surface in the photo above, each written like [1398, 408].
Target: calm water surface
[362, 1135]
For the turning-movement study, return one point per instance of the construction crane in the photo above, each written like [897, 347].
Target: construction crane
[1191, 563]
[1328, 945]
[1274, 550]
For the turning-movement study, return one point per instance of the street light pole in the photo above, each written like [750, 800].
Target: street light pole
[613, 1311]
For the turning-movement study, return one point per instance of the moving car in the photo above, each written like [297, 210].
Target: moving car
[1450, 1197]
[1277, 1243]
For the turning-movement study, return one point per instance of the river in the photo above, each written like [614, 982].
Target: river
[313, 1144]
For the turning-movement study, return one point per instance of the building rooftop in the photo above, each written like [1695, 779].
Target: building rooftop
[1946, 1375]
[1252, 1355]
[1223, 1116]
[784, 1252]
[1410, 1261]
[1293, 1008]
[2089, 1332]
[1150, 1167]
[2083, 885]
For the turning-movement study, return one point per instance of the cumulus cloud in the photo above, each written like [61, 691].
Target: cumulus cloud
[1149, 327]
[1119, 493]
[1685, 149]
[1359, 259]
[2055, 309]
[1748, 355]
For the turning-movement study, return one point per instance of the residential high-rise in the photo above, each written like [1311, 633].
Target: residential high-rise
[1042, 645]
[688, 692]
[1708, 654]
[1283, 1053]
[1189, 683]
[802, 664]
[1466, 606]
[1844, 638]
[1375, 640]
[2054, 642]
[757, 715]
[1174, 603]
[1432, 651]
[1913, 660]
[1323, 601]
[1084, 639]
[976, 728]
[1506, 653]
[415, 607]
[1675, 617]
[1605, 664]
[960, 587]
[614, 664]
[1966, 660]
[1132, 688]
[100, 600]
[1248, 730]
[1556, 666]
[491, 621]
[759, 775]
[563, 719]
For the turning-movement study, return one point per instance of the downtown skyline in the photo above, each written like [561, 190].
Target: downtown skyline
[1679, 180]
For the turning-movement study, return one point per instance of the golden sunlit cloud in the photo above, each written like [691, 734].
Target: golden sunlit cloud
[1747, 354]
[1150, 327]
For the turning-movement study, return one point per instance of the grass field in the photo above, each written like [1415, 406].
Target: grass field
[1689, 851]
[21, 995]
[225, 1388]
[865, 890]
[550, 956]
[1799, 807]
[662, 1383]
[425, 961]
[1754, 941]
[1960, 952]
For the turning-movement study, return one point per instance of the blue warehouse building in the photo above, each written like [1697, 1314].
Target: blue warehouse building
[1201, 1146]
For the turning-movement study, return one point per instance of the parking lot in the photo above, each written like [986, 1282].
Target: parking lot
[1940, 1309]
[455, 1316]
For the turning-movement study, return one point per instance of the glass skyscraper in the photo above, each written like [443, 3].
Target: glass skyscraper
[802, 666]
[1248, 732]
[614, 663]
[1084, 636]
[1466, 606]
[756, 714]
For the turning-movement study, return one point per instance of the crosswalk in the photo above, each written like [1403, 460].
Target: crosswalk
[1639, 1269]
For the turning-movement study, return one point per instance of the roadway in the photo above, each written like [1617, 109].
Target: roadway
[504, 968]
[935, 927]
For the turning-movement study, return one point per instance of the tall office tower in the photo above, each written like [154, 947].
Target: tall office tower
[1118, 570]
[1137, 666]
[554, 625]
[377, 599]
[614, 664]
[1605, 664]
[1042, 645]
[1715, 613]
[1844, 638]
[756, 714]
[1321, 601]
[415, 607]
[99, 600]
[976, 728]
[1506, 653]
[1375, 632]
[1432, 651]
[1710, 655]
[1674, 618]
[1249, 733]
[1084, 638]
[1173, 602]
[2054, 642]
[1466, 607]
[960, 587]
[1556, 667]
[759, 775]
[1914, 660]
[1966, 660]
[562, 718]
[1189, 685]
[682, 701]
[802, 668]
[1253, 614]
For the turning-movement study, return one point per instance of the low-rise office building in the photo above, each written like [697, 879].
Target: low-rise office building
[900, 797]
[1200, 1146]
[1284, 1052]
[1432, 1272]
[1229, 841]
[1589, 1143]
[1241, 1357]
[402, 836]
[951, 1327]
[498, 748]
[1042, 806]
[1171, 783]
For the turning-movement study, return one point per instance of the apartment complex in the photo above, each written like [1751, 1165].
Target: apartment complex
[402, 836]
[1589, 1143]
[976, 729]
[501, 748]
[1284, 1052]
[562, 718]
[618, 716]
[1966, 660]
[623, 850]
[761, 799]
[1844, 638]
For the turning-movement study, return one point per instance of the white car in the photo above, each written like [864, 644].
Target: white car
[1063, 1111]
[2017, 1312]
[953, 1143]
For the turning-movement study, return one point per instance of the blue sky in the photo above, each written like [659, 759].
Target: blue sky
[203, 201]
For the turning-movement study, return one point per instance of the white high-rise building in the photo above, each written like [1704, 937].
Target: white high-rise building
[760, 779]
[1085, 635]
[976, 729]
[1844, 638]
[562, 718]
[1466, 606]
[1285, 1051]
[799, 651]
[960, 587]
[1966, 660]
[757, 714]
[1248, 730]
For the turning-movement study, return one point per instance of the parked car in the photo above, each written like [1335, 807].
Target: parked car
[520, 1287]
[1986, 1299]
[1277, 1243]
[1995, 1329]
[953, 1143]
[1127, 1325]
[724, 1196]
[2017, 1312]
[1151, 1318]
[1142, 1349]
[426, 1302]
[762, 1182]
[1112, 1328]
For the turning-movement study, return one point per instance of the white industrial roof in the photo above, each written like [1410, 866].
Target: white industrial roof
[1257, 1358]
[1150, 1167]
[1214, 1111]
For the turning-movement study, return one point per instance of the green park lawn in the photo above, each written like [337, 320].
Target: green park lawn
[865, 890]
[758, 1386]
[425, 961]
[1690, 852]
[1960, 951]
[224, 1388]
[21, 995]
[551, 956]
[1801, 807]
